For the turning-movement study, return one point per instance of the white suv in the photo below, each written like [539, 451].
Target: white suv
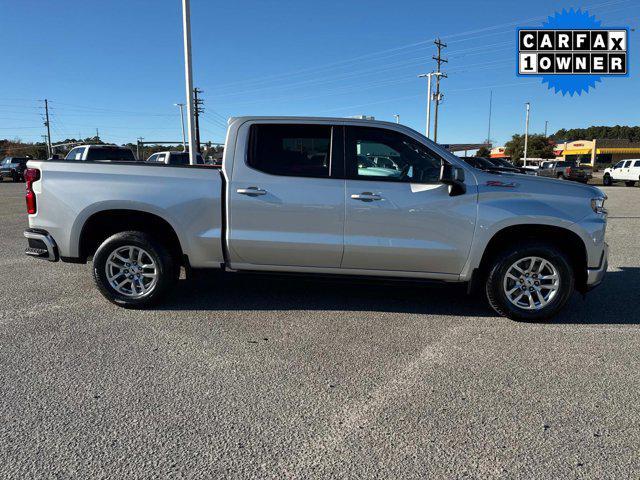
[627, 171]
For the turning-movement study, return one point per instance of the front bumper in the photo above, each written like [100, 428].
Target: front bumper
[41, 245]
[596, 275]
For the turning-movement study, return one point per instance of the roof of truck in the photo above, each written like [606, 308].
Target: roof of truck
[314, 119]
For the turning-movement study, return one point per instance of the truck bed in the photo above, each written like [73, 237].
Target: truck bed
[187, 197]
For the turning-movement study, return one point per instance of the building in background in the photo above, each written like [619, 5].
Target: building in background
[600, 151]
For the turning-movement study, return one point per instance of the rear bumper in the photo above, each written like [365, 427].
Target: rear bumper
[596, 275]
[41, 245]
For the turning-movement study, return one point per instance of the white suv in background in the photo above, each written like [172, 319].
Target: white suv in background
[627, 171]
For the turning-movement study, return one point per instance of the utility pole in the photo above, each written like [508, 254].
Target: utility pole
[546, 125]
[184, 140]
[46, 123]
[140, 139]
[198, 110]
[438, 96]
[188, 74]
[428, 76]
[97, 135]
[490, 106]
[526, 133]
[397, 117]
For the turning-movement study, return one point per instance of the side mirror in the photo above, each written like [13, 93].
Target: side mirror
[454, 177]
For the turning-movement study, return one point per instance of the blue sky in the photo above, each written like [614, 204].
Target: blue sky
[118, 65]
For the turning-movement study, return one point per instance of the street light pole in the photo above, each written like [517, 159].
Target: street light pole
[184, 140]
[188, 73]
[428, 77]
[526, 133]
[397, 117]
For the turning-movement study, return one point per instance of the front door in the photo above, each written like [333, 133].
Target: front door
[399, 217]
[285, 208]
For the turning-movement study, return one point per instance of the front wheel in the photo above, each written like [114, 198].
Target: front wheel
[531, 282]
[132, 270]
[606, 180]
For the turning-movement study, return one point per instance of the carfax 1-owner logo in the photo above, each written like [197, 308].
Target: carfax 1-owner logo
[572, 51]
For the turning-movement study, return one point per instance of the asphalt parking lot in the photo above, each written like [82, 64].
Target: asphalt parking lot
[261, 377]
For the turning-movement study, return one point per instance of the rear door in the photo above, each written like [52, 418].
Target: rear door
[286, 196]
[626, 170]
[635, 171]
[399, 216]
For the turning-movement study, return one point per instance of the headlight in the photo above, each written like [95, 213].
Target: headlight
[597, 204]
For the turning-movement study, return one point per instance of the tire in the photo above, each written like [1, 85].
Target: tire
[630, 184]
[15, 177]
[561, 176]
[606, 180]
[105, 262]
[502, 264]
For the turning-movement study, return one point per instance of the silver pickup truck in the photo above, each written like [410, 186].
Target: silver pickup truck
[322, 196]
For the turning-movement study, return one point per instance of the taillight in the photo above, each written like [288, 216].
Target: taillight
[31, 175]
[567, 171]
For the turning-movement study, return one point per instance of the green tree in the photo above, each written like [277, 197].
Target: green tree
[539, 147]
[621, 132]
[483, 152]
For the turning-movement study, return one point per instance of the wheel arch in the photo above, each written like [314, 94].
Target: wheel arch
[102, 224]
[564, 239]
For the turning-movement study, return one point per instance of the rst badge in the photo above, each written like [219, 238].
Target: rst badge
[572, 51]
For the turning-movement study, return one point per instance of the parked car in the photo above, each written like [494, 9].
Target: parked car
[174, 158]
[627, 171]
[565, 170]
[13, 168]
[508, 166]
[101, 153]
[484, 164]
[294, 195]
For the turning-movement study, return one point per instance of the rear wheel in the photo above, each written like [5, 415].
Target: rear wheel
[132, 270]
[530, 282]
[630, 183]
[606, 180]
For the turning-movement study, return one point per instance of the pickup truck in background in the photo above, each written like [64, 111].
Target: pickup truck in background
[13, 168]
[565, 170]
[322, 196]
[174, 158]
[101, 153]
[627, 171]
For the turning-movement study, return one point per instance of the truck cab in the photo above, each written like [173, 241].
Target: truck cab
[101, 153]
[174, 158]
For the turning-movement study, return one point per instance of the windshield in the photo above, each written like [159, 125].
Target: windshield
[111, 153]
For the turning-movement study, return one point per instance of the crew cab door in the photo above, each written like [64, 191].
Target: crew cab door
[285, 202]
[399, 217]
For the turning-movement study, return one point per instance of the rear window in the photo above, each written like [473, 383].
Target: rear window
[111, 153]
[182, 158]
[637, 164]
[291, 150]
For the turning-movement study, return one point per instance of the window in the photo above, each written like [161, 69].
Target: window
[161, 158]
[618, 165]
[627, 164]
[378, 154]
[182, 158]
[637, 163]
[75, 154]
[153, 158]
[116, 154]
[292, 150]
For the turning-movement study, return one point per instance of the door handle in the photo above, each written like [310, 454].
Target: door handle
[251, 191]
[366, 197]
